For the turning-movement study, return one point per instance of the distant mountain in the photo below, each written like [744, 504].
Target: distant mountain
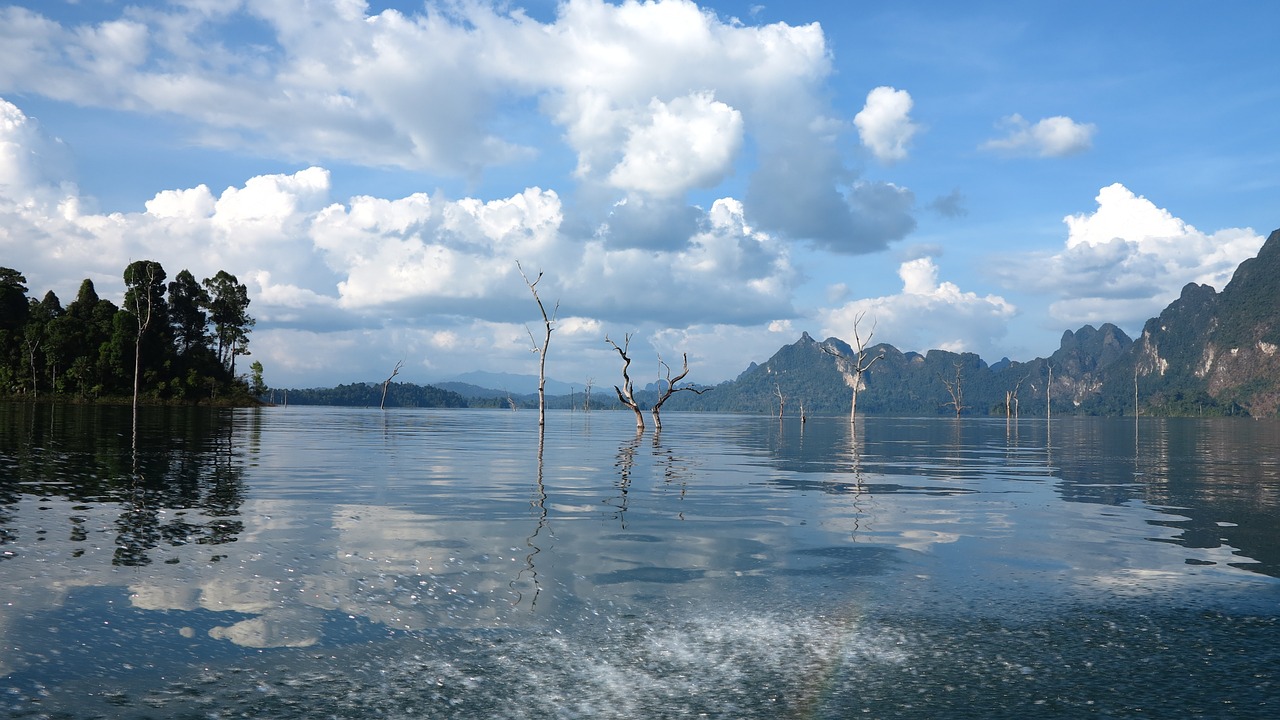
[1218, 349]
[1207, 353]
[507, 383]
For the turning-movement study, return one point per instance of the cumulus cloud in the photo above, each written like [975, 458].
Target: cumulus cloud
[926, 315]
[32, 163]
[436, 275]
[688, 143]
[1127, 260]
[884, 124]
[654, 99]
[1057, 136]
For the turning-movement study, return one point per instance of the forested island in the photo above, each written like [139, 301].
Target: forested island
[174, 342]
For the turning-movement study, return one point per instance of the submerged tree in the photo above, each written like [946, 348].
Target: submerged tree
[853, 368]
[627, 393]
[672, 388]
[1011, 400]
[955, 390]
[385, 383]
[548, 323]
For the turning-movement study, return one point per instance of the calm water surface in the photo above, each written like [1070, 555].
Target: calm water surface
[316, 563]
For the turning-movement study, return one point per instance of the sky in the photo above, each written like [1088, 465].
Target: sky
[709, 179]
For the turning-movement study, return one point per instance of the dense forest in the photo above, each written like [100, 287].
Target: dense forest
[174, 342]
[371, 395]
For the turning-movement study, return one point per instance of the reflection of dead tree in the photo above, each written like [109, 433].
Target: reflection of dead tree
[540, 502]
[671, 388]
[627, 393]
[955, 390]
[385, 383]
[549, 324]
[625, 463]
[852, 368]
[782, 400]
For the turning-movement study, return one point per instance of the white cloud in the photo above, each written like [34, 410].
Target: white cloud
[688, 143]
[652, 97]
[1128, 260]
[330, 281]
[926, 315]
[884, 123]
[32, 164]
[1057, 136]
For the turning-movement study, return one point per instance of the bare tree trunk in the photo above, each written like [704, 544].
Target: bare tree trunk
[626, 393]
[853, 368]
[671, 389]
[144, 321]
[956, 391]
[782, 400]
[548, 322]
[1011, 400]
[31, 356]
[1048, 393]
[385, 383]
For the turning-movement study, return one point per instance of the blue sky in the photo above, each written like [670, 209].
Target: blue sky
[715, 178]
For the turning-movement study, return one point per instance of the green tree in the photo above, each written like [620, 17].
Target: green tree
[229, 313]
[42, 341]
[13, 319]
[187, 303]
[256, 386]
[88, 323]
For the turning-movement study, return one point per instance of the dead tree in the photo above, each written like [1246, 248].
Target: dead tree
[144, 286]
[1011, 400]
[586, 395]
[955, 390]
[782, 400]
[672, 389]
[385, 383]
[852, 368]
[549, 324]
[627, 393]
[1048, 395]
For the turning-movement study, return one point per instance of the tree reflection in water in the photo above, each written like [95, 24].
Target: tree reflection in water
[177, 477]
[540, 503]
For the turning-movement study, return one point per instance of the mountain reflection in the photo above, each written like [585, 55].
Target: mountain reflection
[1217, 483]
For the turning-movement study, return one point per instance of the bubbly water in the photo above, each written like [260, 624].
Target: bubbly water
[350, 563]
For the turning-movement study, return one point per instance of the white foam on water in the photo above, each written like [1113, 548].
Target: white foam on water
[715, 665]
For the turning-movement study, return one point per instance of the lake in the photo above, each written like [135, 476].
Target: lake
[352, 563]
